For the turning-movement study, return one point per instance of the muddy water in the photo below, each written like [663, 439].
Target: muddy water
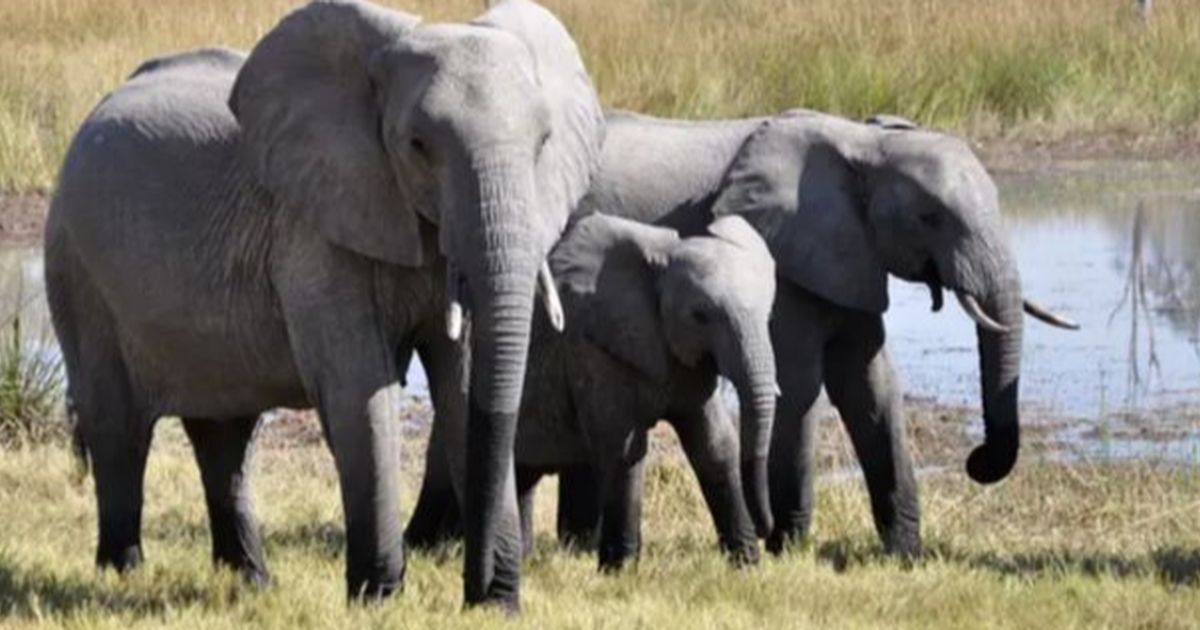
[1113, 245]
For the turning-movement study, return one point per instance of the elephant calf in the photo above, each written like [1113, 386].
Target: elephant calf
[652, 320]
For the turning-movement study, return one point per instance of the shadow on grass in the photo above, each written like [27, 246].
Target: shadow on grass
[34, 593]
[1173, 565]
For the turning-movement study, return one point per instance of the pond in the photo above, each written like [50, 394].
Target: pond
[1113, 245]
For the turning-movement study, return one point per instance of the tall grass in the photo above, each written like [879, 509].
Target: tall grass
[1030, 68]
[31, 381]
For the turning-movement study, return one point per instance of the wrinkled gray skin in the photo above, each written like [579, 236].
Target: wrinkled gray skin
[231, 234]
[841, 204]
[652, 321]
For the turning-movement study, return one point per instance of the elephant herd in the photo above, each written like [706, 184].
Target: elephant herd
[235, 232]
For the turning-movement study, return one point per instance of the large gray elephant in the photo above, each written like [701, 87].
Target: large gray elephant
[841, 205]
[654, 320]
[231, 234]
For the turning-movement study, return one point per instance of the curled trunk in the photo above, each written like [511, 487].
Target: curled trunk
[999, 373]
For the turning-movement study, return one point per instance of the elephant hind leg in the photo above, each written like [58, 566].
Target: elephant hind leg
[113, 428]
[578, 507]
[527, 480]
[223, 451]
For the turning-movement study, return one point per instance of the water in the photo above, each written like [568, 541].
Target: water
[1073, 229]
[1073, 232]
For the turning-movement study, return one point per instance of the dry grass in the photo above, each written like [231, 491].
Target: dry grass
[1033, 68]
[1081, 546]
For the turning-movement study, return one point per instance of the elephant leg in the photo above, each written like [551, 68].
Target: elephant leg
[798, 337]
[711, 442]
[621, 513]
[349, 369]
[223, 450]
[862, 384]
[527, 480]
[578, 506]
[436, 519]
[116, 434]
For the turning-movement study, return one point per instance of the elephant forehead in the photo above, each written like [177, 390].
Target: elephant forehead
[469, 51]
[724, 272]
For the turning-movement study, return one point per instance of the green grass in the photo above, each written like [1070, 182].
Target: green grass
[1012, 69]
[1081, 546]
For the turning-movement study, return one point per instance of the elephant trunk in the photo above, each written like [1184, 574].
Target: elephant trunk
[754, 379]
[999, 373]
[501, 278]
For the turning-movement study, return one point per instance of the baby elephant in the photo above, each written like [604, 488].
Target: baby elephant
[652, 319]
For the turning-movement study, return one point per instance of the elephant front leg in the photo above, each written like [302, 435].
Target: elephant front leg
[621, 513]
[363, 430]
[223, 452]
[863, 385]
[710, 440]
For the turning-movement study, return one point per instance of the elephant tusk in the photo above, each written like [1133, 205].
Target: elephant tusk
[550, 297]
[976, 313]
[454, 309]
[778, 392]
[1037, 312]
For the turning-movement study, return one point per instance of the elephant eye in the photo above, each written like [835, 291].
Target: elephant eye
[931, 219]
[541, 144]
[699, 316]
[418, 147]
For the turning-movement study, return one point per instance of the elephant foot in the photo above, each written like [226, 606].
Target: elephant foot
[255, 578]
[905, 545]
[614, 558]
[782, 540]
[743, 556]
[123, 558]
[380, 584]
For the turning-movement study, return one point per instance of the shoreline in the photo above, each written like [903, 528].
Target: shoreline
[23, 213]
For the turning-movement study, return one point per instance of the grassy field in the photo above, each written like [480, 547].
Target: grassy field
[1034, 70]
[1079, 546]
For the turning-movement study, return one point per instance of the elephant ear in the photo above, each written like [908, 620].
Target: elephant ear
[795, 181]
[606, 270]
[571, 153]
[310, 127]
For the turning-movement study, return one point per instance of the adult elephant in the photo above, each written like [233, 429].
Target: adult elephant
[233, 234]
[841, 205]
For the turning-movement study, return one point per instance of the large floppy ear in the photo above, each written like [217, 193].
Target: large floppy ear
[796, 179]
[571, 153]
[606, 269]
[310, 127]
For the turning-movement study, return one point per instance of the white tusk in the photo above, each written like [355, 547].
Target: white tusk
[454, 309]
[976, 313]
[1050, 318]
[550, 298]
[778, 391]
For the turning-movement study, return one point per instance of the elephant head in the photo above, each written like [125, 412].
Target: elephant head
[648, 297]
[842, 204]
[399, 141]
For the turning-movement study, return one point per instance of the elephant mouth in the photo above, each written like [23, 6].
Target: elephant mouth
[929, 275]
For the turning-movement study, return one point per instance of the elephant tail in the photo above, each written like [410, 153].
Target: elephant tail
[78, 444]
